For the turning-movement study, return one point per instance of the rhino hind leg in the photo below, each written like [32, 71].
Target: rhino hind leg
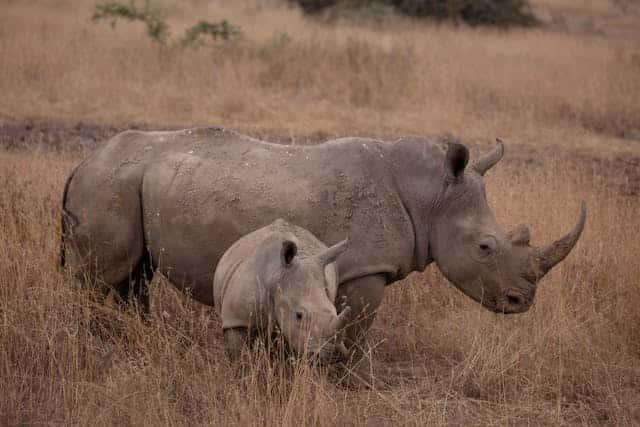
[106, 250]
[135, 288]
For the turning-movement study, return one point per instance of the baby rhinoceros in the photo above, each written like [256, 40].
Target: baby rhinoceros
[281, 277]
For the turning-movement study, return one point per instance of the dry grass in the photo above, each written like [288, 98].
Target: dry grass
[574, 358]
[299, 76]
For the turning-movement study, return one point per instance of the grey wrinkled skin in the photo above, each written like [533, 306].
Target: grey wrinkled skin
[176, 201]
[281, 277]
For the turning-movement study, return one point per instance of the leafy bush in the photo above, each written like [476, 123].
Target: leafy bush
[157, 28]
[222, 30]
[474, 12]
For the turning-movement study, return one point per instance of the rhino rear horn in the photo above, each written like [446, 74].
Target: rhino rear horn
[486, 162]
[519, 235]
[552, 254]
[332, 253]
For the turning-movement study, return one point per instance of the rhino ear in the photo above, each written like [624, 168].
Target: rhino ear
[456, 160]
[288, 252]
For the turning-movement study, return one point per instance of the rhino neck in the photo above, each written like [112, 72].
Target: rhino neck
[417, 167]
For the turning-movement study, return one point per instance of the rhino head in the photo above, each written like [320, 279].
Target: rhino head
[303, 302]
[497, 269]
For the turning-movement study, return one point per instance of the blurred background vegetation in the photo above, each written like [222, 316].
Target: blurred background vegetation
[473, 12]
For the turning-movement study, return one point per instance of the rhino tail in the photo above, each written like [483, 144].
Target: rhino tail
[67, 219]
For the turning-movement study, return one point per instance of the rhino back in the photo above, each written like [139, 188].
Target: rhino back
[121, 160]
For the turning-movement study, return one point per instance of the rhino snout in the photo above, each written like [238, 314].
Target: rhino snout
[332, 351]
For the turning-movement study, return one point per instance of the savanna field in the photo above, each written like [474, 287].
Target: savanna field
[565, 97]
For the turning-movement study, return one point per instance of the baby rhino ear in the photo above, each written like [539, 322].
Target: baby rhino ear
[288, 253]
[456, 160]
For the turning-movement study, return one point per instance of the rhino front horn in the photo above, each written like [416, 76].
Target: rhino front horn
[332, 253]
[340, 321]
[552, 254]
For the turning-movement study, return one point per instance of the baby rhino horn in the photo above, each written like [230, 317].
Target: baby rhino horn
[332, 253]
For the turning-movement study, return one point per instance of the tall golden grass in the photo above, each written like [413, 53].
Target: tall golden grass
[302, 76]
[574, 358]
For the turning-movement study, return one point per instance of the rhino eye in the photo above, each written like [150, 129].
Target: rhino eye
[299, 315]
[487, 248]
[484, 248]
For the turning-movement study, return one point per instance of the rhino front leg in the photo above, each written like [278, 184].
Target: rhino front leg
[364, 296]
[235, 340]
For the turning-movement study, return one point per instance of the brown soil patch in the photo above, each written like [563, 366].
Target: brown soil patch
[622, 173]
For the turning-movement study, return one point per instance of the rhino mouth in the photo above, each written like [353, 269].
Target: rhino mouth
[515, 301]
[508, 301]
[330, 353]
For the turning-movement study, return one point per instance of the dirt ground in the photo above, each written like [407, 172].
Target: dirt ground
[621, 171]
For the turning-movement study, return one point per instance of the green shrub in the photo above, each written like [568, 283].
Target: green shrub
[501, 13]
[157, 28]
[222, 30]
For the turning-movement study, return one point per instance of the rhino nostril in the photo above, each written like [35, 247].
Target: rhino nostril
[299, 315]
[514, 300]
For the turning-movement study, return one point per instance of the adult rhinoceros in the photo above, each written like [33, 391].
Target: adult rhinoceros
[177, 200]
